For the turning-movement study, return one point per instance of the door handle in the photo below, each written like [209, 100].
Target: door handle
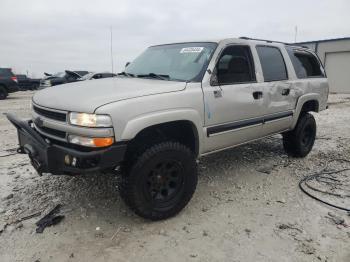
[257, 94]
[285, 91]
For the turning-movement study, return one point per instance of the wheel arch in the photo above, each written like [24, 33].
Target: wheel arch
[306, 103]
[182, 125]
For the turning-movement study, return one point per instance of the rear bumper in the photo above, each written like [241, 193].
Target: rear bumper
[48, 157]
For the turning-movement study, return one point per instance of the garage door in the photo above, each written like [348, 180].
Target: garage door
[338, 71]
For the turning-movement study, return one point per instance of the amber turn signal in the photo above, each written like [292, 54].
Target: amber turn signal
[103, 141]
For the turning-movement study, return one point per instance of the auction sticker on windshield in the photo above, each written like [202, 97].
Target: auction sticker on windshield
[191, 50]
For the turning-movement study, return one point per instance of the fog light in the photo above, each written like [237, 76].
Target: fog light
[91, 141]
[74, 162]
[67, 160]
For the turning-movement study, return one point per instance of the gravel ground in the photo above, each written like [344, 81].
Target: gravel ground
[247, 206]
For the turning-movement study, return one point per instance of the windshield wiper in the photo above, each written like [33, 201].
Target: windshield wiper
[157, 76]
[125, 74]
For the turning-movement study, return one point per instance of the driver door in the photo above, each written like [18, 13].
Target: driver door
[234, 102]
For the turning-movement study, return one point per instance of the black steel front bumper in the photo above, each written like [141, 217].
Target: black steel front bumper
[48, 157]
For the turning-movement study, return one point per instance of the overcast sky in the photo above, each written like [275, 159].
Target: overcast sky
[51, 36]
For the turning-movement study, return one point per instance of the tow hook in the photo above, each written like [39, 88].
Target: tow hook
[28, 149]
[37, 165]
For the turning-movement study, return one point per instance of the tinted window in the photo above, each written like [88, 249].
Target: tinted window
[305, 64]
[21, 77]
[235, 66]
[6, 72]
[272, 63]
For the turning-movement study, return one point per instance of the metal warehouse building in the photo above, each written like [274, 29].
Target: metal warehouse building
[335, 56]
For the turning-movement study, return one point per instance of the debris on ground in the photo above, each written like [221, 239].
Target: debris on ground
[306, 248]
[267, 168]
[36, 214]
[2, 227]
[116, 233]
[17, 223]
[7, 197]
[49, 219]
[337, 220]
[248, 231]
[282, 201]
[289, 226]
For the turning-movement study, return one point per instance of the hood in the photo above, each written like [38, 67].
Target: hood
[86, 96]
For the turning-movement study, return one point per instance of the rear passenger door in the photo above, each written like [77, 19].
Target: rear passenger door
[277, 88]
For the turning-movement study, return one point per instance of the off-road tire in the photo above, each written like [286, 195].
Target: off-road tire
[136, 187]
[3, 93]
[299, 141]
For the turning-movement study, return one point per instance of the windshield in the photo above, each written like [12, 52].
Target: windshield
[87, 76]
[178, 62]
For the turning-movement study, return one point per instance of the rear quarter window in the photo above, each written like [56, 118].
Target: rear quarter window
[272, 63]
[305, 64]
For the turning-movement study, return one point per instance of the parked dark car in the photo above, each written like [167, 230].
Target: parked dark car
[61, 78]
[93, 75]
[8, 82]
[26, 83]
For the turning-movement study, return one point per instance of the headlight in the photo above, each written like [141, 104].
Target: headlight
[90, 120]
[91, 141]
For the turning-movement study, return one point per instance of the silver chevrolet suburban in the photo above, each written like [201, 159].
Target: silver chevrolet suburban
[173, 104]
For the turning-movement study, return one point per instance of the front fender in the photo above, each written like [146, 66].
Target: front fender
[137, 124]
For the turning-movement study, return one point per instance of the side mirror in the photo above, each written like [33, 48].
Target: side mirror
[127, 63]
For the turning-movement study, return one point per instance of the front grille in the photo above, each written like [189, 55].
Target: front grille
[50, 114]
[52, 132]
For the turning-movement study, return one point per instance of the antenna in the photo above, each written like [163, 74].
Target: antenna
[295, 33]
[112, 50]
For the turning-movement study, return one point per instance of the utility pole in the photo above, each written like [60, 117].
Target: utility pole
[112, 50]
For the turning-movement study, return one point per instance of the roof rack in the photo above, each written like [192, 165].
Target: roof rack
[271, 41]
